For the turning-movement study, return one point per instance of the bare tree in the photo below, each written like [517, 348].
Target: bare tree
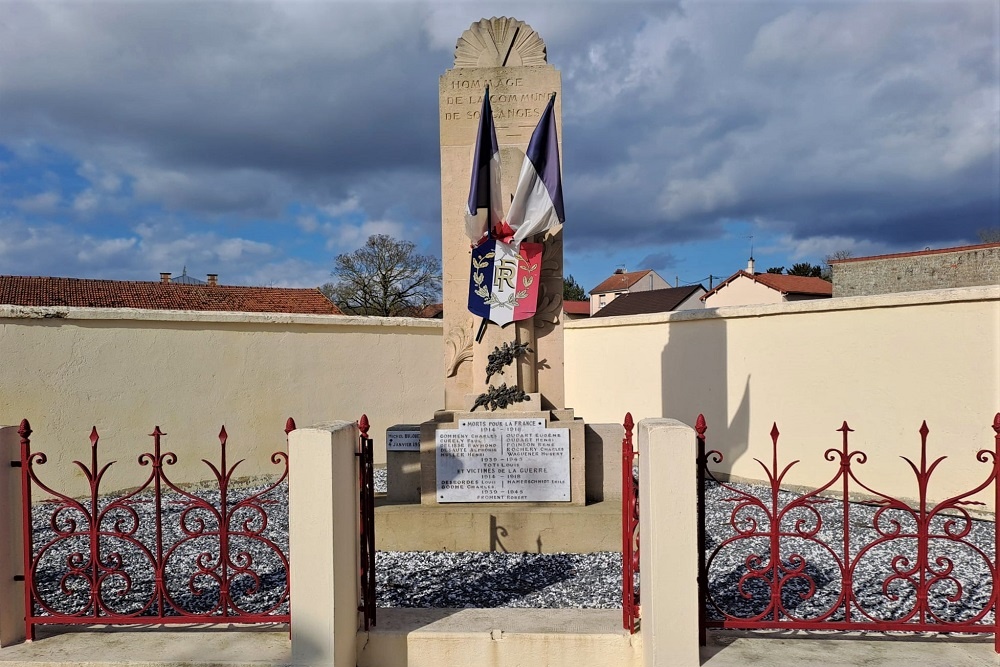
[828, 262]
[989, 235]
[384, 277]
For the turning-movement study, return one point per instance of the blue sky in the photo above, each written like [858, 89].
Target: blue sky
[259, 140]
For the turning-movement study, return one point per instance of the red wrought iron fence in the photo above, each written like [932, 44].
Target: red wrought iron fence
[819, 561]
[157, 554]
[630, 530]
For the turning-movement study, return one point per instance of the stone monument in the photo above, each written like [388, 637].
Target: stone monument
[529, 454]
[509, 57]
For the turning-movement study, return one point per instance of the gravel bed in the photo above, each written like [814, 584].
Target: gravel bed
[471, 579]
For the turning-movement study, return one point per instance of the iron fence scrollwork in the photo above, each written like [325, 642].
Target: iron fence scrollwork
[803, 567]
[101, 560]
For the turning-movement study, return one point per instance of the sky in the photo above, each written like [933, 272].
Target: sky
[259, 140]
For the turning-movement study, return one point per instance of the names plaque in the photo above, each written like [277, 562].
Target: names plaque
[502, 460]
[402, 441]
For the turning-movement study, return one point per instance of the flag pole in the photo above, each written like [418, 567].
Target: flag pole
[489, 231]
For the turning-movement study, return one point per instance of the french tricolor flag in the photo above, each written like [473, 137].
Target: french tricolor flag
[538, 200]
[485, 209]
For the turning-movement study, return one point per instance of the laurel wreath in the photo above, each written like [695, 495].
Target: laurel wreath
[483, 291]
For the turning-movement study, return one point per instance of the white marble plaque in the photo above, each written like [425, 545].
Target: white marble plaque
[502, 461]
[402, 441]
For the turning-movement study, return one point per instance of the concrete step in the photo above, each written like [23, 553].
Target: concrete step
[153, 646]
[511, 527]
[499, 638]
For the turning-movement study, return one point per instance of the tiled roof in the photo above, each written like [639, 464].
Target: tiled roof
[650, 301]
[938, 251]
[620, 281]
[85, 293]
[782, 283]
[431, 311]
[576, 307]
[795, 284]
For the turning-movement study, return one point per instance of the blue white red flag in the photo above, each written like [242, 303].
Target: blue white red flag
[503, 286]
[485, 208]
[538, 201]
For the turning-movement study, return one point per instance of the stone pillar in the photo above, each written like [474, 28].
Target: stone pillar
[11, 541]
[668, 538]
[509, 57]
[323, 536]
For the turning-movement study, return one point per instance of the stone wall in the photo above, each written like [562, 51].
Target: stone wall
[882, 363]
[127, 370]
[911, 272]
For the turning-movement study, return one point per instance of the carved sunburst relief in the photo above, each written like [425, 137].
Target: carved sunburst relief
[499, 42]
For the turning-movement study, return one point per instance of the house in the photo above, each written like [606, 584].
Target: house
[655, 301]
[962, 266]
[624, 282]
[744, 288]
[576, 310]
[162, 295]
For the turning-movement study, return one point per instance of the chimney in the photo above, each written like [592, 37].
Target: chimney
[165, 278]
[213, 279]
[750, 266]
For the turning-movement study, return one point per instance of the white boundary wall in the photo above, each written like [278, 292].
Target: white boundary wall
[126, 370]
[883, 363]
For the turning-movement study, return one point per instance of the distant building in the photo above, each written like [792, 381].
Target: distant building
[963, 266]
[745, 288]
[432, 311]
[576, 310]
[624, 282]
[185, 279]
[163, 295]
[655, 301]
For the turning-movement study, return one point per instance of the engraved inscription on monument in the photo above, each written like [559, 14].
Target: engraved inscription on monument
[502, 460]
[402, 441]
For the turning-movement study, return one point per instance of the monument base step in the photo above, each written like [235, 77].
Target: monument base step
[499, 638]
[507, 527]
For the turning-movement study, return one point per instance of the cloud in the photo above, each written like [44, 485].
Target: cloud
[873, 125]
[42, 203]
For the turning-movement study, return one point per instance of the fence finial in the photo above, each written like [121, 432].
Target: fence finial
[996, 423]
[223, 436]
[363, 426]
[700, 426]
[24, 430]
[94, 437]
[289, 426]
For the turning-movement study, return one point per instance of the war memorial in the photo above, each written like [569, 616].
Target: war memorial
[505, 451]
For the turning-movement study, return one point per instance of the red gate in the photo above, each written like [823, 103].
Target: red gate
[366, 490]
[630, 530]
[108, 560]
[917, 549]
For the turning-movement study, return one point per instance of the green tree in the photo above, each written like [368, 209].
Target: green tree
[572, 291]
[384, 277]
[776, 269]
[806, 269]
